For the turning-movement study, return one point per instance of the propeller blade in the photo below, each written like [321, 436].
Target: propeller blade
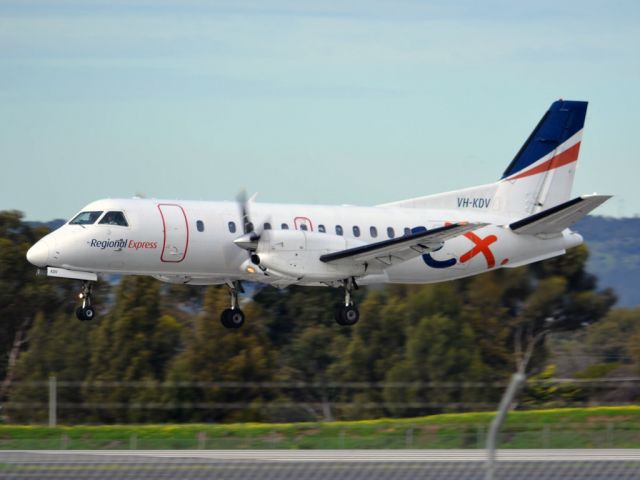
[243, 204]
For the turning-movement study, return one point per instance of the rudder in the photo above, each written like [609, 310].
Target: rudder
[541, 174]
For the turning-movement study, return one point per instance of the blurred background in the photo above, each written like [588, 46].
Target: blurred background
[157, 355]
[340, 102]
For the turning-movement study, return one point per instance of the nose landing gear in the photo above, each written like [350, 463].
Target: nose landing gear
[233, 317]
[347, 314]
[86, 311]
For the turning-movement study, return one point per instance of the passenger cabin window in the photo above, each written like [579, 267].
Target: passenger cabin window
[373, 231]
[114, 218]
[200, 225]
[321, 228]
[85, 218]
[407, 231]
[266, 226]
[284, 226]
[232, 227]
[356, 231]
[390, 232]
[304, 227]
[339, 230]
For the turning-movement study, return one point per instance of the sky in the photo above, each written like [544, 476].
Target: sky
[332, 102]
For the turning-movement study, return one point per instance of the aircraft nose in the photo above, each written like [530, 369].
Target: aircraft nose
[38, 255]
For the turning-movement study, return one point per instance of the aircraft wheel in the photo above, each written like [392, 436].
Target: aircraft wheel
[89, 313]
[85, 313]
[347, 315]
[232, 318]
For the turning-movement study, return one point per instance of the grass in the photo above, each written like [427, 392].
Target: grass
[598, 427]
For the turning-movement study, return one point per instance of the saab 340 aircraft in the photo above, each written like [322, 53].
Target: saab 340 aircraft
[520, 219]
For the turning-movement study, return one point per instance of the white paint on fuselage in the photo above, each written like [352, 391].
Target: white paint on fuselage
[211, 256]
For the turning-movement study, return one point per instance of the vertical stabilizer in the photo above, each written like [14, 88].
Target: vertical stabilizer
[541, 174]
[539, 177]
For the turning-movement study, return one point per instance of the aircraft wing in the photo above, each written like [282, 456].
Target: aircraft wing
[401, 249]
[555, 219]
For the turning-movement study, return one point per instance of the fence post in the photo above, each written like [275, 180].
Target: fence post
[546, 437]
[409, 437]
[202, 440]
[480, 436]
[53, 401]
[517, 379]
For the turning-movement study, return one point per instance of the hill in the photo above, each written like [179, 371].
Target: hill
[614, 246]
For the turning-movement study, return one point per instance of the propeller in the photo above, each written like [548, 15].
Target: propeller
[249, 240]
[243, 204]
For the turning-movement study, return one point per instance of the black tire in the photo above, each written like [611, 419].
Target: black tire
[347, 316]
[223, 318]
[80, 314]
[350, 315]
[235, 318]
[232, 318]
[89, 313]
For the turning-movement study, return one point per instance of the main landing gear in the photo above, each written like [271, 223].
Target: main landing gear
[233, 317]
[347, 314]
[86, 311]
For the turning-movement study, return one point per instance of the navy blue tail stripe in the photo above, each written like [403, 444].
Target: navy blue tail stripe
[563, 120]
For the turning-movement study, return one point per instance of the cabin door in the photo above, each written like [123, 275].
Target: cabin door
[176, 233]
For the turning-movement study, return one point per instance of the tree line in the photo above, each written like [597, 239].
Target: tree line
[158, 353]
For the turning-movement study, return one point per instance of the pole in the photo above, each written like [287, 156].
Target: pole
[52, 402]
[517, 379]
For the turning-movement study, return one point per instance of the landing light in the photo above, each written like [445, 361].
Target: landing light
[250, 269]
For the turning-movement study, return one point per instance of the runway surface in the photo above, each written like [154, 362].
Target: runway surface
[317, 464]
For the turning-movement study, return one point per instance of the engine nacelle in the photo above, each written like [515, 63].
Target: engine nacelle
[296, 253]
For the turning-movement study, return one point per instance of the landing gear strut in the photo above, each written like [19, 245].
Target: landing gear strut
[86, 311]
[233, 317]
[347, 314]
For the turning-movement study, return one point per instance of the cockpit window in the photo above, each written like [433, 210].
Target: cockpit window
[85, 218]
[114, 218]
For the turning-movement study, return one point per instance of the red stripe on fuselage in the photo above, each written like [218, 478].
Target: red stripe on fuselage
[564, 158]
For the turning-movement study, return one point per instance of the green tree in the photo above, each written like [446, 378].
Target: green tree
[133, 343]
[22, 294]
[612, 339]
[215, 356]
[58, 347]
[441, 355]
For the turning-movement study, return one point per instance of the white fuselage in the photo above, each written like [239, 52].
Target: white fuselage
[192, 241]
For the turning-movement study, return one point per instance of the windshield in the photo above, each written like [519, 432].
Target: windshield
[114, 218]
[85, 218]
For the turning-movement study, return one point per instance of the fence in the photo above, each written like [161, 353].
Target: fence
[289, 401]
[49, 402]
[466, 437]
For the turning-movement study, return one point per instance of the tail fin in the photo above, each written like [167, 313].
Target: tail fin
[541, 174]
[539, 177]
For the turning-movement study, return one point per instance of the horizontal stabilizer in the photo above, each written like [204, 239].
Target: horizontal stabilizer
[401, 249]
[556, 219]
